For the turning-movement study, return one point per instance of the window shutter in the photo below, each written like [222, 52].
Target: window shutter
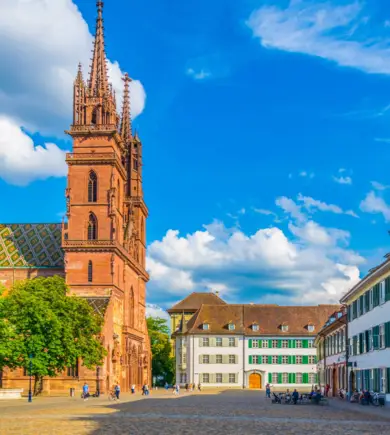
[270, 344]
[305, 378]
[376, 294]
[269, 359]
[290, 359]
[349, 317]
[250, 359]
[225, 342]
[289, 378]
[213, 359]
[305, 359]
[361, 302]
[225, 359]
[200, 342]
[250, 343]
[225, 378]
[367, 301]
[387, 335]
[235, 342]
[294, 344]
[213, 342]
[305, 344]
[293, 359]
[375, 331]
[279, 343]
[279, 378]
[279, 359]
[235, 359]
[293, 378]
[213, 379]
[388, 380]
[200, 359]
[387, 289]
[270, 377]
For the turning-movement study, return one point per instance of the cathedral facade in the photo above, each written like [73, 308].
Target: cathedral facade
[100, 248]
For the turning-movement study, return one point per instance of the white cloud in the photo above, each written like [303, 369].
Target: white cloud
[315, 262]
[21, 161]
[337, 33]
[374, 204]
[312, 204]
[379, 186]
[198, 74]
[153, 310]
[343, 180]
[290, 207]
[306, 174]
[39, 63]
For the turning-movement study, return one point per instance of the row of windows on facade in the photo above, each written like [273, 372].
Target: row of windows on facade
[219, 378]
[374, 338]
[255, 343]
[257, 359]
[378, 295]
[376, 380]
[282, 359]
[256, 327]
[72, 372]
[293, 378]
[334, 344]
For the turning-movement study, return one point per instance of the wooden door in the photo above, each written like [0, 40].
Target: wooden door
[255, 380]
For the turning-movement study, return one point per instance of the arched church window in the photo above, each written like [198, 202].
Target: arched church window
[94, 116]
[90, 271]
[92, 187]
[92, 227]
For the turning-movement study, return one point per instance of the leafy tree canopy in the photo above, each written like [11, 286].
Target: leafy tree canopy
[39, 318]
[162, 362]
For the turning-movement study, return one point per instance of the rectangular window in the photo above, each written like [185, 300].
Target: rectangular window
[218, 378]
[205, 378]
[218, 341]
[232, 378]
[298, 378]
[298, 344]
[274, 359]
[312, 359]
[312, 378]
[382, 336]
[367, 301]
[382, 297]
[231, 327]
[218, 359]
[73, 371]
[285, 378]
[274, 378]
[255, 343]
[206, 342]
[205, 359]
[285, 359]
[232, 342]
[361, 305]
[299, 359]
[383, 380]
[232, 359]
[257, 359]
[371, 299]
[274, 344]
[370, 342]
[285, 344]
[310, 343]
[264, 343]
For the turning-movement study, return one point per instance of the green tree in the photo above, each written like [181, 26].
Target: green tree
[163, 364]
[39, 318]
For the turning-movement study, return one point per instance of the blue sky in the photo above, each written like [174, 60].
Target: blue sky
[251, 107]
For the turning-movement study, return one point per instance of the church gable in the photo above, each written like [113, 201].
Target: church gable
[31, 245]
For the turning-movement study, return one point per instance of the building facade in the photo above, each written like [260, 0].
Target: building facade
[331, 353]
[248, 346]
[100, 248]
[368, 315]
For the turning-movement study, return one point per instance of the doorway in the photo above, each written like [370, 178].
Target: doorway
[255, 381]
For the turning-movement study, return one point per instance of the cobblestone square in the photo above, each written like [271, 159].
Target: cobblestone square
[209, 412]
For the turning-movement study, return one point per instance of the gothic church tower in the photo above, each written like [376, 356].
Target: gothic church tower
[104, 238]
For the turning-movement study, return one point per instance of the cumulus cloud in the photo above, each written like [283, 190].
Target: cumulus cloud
[21, 161]
[39, 63]
[323, 29]
[379, 186]
[373, 203]
[343, 180]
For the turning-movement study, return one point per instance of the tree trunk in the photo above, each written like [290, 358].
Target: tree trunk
[38, 385]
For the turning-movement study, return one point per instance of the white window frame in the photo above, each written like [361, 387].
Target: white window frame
[284, 328]
[205, 359]
[284, 378]
[206, 326]
[310, 328]
[264, 344]
[311, 359]
[285, 344]
[219, 378]
[255, 327]
[232, 378]
[371, 299]
[206, 342]
[274, 344]
[255, 344]
[274, 378]
[205, 378]
[284, 359]
[382, 294]
[383, 384]
[298, 344]
[382, 343]
[312, 378]
[217, 357]
[232, 357]
[231, 326]
[274, 359]
[232, 342]
[310, 343]
[218, 342]
[298, 359]
[257, 359]
[298, 378]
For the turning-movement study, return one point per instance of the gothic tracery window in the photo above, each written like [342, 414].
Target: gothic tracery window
[90, 271]
[92, 227]
[92, 187]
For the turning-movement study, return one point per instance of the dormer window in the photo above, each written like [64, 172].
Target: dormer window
[206, 326]
[231, 326]
[255, 327]
[284, 327]
[310, 328]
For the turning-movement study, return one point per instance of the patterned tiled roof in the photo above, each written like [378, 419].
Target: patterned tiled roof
[195, 300]
[30, 245]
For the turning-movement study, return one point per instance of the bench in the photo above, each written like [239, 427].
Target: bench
[11, 393]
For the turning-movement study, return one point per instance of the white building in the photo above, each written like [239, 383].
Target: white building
[248, 346]
[368, 307]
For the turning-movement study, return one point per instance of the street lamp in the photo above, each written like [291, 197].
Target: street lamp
[30, 382]
[97, 381]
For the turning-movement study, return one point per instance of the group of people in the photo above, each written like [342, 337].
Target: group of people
[116, 390]
[315, 395]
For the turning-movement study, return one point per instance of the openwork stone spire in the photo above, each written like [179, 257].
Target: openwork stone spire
[126, 121]
[98, 79]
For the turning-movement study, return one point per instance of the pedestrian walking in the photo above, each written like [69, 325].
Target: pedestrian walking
[117, 390]
[268, 391]
[85, 394]
[133, 389]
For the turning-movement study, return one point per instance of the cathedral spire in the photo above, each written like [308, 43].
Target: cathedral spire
[125, 129]
[98, 79]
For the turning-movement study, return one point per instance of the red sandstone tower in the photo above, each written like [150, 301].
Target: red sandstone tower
[104, 239]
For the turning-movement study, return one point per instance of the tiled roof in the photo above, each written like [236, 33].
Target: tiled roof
[195, 300]
[269, 318]
[31, 245]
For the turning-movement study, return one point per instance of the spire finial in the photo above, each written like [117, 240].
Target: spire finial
[126, 121]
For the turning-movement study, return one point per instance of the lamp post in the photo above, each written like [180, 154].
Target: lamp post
[30, 381]
[97, 381]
